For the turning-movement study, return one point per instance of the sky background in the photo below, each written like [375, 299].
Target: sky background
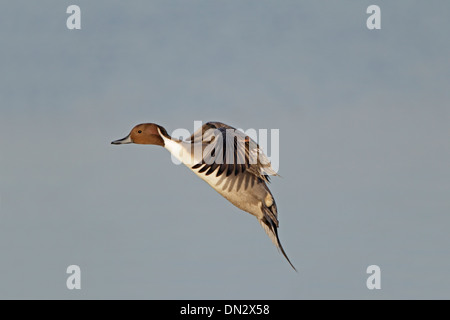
[364, 122]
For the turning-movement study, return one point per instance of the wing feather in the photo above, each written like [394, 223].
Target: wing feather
[231, 150]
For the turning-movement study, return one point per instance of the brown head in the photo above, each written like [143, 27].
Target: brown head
[145, 133]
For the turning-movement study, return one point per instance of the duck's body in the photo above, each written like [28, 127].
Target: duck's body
[228, 160]
[244, 190]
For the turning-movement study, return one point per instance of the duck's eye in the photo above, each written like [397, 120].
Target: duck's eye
[140, 131]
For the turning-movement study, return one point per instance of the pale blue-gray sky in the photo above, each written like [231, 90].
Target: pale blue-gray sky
[364, 157]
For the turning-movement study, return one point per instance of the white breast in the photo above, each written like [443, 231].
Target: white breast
[181, 150]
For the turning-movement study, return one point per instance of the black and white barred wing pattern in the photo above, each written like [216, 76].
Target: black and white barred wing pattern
[230, 150]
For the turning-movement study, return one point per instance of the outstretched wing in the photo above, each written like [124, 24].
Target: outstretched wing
[230, 150]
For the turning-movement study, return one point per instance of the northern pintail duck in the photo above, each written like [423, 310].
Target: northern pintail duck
[228, 160]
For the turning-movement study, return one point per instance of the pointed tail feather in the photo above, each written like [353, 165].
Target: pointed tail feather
[272, 232]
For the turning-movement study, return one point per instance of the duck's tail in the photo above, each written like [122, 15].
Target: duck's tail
[270, 226]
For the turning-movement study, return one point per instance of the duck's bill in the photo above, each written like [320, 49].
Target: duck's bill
[125, 140]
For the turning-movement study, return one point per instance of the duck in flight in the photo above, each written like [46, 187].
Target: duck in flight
[228, 160]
